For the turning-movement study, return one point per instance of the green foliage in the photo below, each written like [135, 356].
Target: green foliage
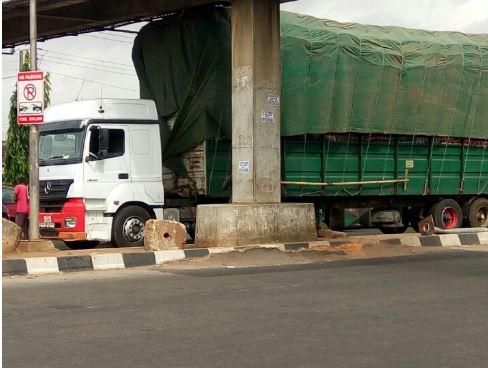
[16, 163]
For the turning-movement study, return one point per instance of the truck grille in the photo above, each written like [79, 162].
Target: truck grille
[49, 233]
[53, 191]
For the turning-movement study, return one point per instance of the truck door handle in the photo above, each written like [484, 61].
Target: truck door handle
[123, 176]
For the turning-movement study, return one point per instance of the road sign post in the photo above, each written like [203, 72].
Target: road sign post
[33, 133]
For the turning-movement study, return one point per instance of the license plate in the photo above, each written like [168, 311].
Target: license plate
[43, 225]
[47, 224]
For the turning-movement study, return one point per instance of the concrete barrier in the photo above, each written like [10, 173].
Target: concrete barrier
[229, 225]
[164, 234]
[11, 234]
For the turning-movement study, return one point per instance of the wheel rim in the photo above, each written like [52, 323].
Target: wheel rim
[450, 218]
[133, 229]
[482, 216]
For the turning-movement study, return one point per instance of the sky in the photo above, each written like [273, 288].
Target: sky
[84, 66]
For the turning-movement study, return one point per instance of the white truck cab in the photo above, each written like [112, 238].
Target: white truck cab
[100, 172]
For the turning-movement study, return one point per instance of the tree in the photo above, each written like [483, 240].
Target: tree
[16, 163]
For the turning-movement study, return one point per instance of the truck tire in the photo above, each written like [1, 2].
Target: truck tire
[447, 214]
[478, 213]
[128, 226]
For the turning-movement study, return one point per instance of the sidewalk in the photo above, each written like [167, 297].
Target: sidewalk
[36, 263]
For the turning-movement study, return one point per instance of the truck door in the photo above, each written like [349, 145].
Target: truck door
[107, 161]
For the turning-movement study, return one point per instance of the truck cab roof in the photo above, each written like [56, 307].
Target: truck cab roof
[103, 109]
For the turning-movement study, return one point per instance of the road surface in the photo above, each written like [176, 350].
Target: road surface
[422, 311]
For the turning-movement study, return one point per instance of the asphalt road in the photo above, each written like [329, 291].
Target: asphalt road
[422, 311]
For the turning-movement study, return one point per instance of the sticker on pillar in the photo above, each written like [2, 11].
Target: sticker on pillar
[244, 167]
[267, 117]
[274, 100]
[243, 81]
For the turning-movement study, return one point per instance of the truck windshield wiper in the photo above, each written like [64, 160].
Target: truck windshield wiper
[57, 157]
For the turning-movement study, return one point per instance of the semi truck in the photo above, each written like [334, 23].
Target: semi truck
[384, 118]
[100, 172]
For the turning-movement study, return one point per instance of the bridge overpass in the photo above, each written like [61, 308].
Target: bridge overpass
[256, 214]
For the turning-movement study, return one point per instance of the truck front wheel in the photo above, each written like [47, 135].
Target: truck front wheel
[128, 226]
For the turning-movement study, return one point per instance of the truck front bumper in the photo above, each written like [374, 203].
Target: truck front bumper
[67, 225]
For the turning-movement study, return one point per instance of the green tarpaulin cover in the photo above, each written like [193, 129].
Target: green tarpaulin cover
[336, 78]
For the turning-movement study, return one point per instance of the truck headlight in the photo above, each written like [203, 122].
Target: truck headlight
[70, 222]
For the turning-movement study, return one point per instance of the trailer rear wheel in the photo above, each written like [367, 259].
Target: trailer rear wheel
[447, 214]
[478, 213]
[128, 226]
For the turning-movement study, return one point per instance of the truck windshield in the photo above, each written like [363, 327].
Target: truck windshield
[60, 147]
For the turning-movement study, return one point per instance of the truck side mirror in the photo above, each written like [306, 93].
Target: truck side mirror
[103, 143]
[99, 143]
[104, 140]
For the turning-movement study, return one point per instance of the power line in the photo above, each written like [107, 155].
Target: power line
[84, 57]
[81, 87]
[84, 80]
[109, 39]
[95, 82]
[87, 67]
[85, 63]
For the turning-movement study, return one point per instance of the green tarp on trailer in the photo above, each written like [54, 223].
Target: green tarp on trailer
[336, 78]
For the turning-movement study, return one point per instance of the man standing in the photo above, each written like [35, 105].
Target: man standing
[22, 204]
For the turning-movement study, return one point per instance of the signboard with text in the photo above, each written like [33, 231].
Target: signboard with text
[30, 97]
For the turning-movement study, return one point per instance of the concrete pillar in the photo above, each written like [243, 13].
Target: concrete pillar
[256, 75]
[256, 215]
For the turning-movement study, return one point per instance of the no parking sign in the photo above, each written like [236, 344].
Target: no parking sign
[30, 97]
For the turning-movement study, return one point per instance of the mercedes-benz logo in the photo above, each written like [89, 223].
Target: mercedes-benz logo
[47, 187]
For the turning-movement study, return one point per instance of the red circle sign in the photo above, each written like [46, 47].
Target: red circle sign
[30, 92]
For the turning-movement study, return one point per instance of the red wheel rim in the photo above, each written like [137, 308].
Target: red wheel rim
[450, 218]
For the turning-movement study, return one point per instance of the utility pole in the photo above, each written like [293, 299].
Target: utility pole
[21, 60]
[33, 136]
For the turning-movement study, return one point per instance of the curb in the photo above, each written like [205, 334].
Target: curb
[115, 261]
[454, 240]
[120, 260]
[439, 240]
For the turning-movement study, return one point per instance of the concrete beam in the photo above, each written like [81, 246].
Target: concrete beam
[256, 166]
[98, 14]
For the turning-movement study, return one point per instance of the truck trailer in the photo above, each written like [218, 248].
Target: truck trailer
[385, 118]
